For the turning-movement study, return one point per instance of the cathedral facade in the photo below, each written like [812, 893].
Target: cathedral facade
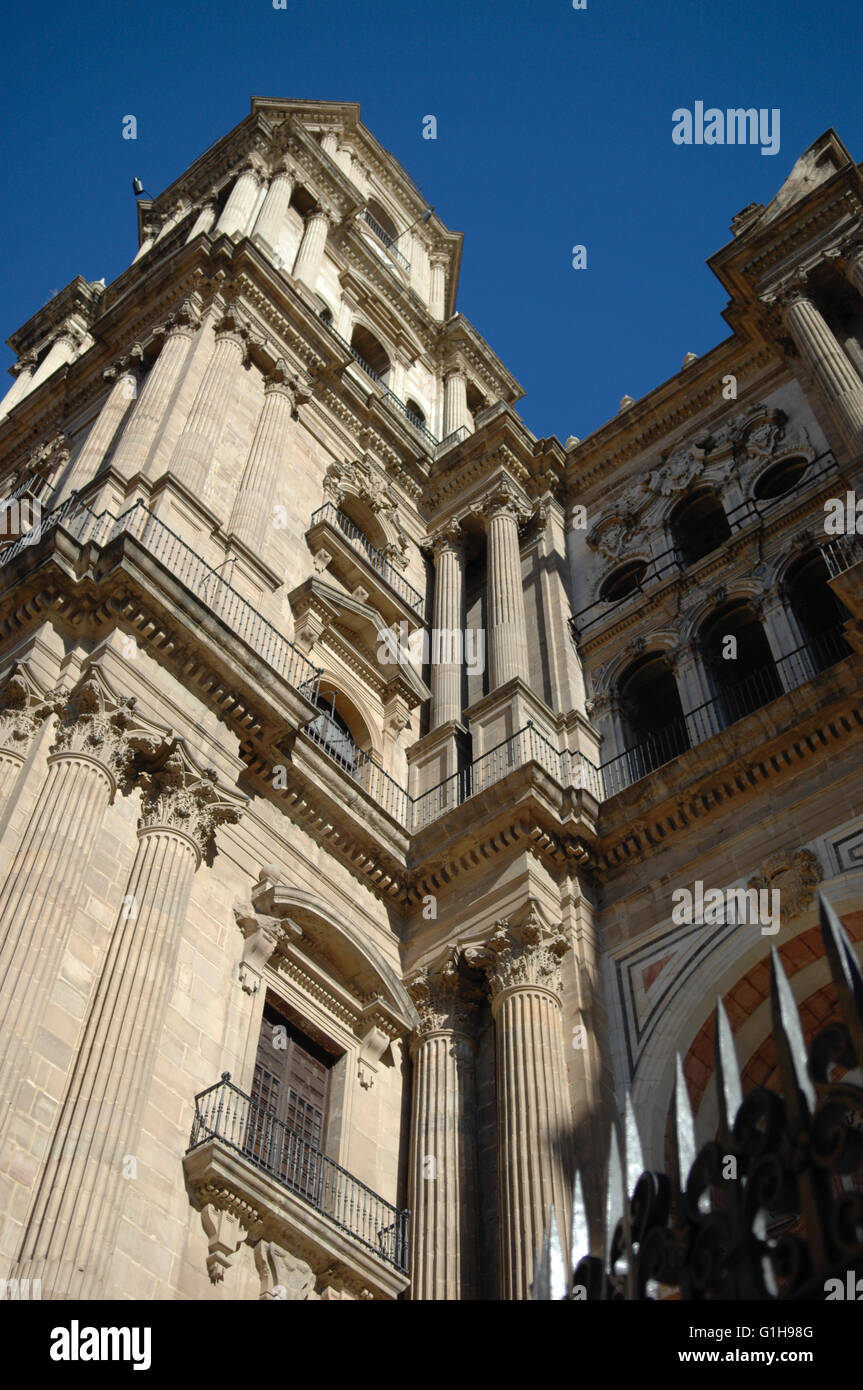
[386, 792]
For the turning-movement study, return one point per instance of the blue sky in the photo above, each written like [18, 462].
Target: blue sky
[554, 129]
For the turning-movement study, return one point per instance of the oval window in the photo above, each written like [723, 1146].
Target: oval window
[623, 581]
[779, 479]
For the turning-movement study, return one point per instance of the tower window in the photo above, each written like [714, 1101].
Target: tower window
[698, 525]
[781, 478]
[369, 353]
[623, 581]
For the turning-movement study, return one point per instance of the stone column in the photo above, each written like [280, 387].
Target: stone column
[507, 626]
[271, 219]
[454, 402]
[237, 212]
[253, 505]
[62, 350]
[72, 1230]
[23, 370]
[330, 143]
[310, 256]
[141, 432]
[437, 285]
[344, 158]
[784, 637]
[820, 351]
[193, 453]
[524, 975]
[443, 1167]
[203, 222]
[696, 691]
[23, 706]
[124, 377]
[97, 737]
[449, 600]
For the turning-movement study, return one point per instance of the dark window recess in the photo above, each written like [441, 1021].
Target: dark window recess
[779, 479]
[623, 581]
[291, 1085]
[698, 525]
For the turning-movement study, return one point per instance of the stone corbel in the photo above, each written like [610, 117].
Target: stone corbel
[377, 1028]
[284, 1277]
[263, 934]
[224, 1235]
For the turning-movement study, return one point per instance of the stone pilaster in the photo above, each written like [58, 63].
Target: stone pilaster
[839, 385]
[437, 285]
[310, 256]
[449, 600]
[507, 626]
[443, 1171]
[454, 402]
[271, 218]
[203, 222]
[253, 506]
[124, 377]
[141, 432]
[73, 1223]
[98, 735]
[193, 453]
[523, 967]
[237, 212]
[62, 351]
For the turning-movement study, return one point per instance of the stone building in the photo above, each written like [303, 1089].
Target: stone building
[356, 744]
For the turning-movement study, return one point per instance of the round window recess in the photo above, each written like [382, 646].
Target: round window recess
[623, 581]
[781, 478]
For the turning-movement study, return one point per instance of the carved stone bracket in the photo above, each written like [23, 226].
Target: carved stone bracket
[283, 1276]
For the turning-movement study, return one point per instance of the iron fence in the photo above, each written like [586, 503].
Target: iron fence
[225, 1113]
[388, 241]
[772, 1207]
[376, 558]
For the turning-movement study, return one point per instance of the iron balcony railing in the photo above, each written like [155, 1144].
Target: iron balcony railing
[85, 525]
[225, 1113]
[376, 558]
[361, 768]
[671, 562]
[840, 554]
[388, 241]
[733, 703]
[413, 420]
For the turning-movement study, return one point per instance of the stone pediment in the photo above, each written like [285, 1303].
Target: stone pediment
[824, 157]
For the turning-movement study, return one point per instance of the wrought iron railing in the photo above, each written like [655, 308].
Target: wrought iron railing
[735, 702]
[772, 1207]
[672, 563]
[840, 554]
[85, 525]
[388, 241]
[361, 768]
[376, 558]
[395, 401]
[225, 1113]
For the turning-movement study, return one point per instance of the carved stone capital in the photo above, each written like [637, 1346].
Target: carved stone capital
[525, 956]
[23, 707]
[178, 796]
[504, 500]
[445, 1002]
[448, 537]
[95, 723]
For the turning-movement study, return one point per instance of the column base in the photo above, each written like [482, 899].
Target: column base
[439, 754]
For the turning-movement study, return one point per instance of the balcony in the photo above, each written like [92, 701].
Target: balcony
[330, 529]
[299, 1195]
[211, 588]
[386, 240]
[755, 691]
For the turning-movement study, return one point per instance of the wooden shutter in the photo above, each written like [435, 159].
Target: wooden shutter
[290, 1092]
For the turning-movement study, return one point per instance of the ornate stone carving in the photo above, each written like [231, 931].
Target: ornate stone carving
[51, 454]
[795, 875]
[677, 472]
[225, 1234]
[23, 707]
[523, 956]
[262, 934]
[444, 1000]
[283, 1276]
[362, 480]
[96, 723]
[178, 795]
[504, 500]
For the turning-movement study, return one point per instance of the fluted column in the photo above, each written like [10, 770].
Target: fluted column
[237, 212]
[454, 402]
[274, 209]
[449, 599]
[61, 351]
[524, 974]
[821, 352]
[23, 369]
[700, 710]
[124, 376]
[437, 286]
[193, 453]
[310, 256]
[72, 1229]
[97, 737]
[142, 429]
[253, 506]
[443, 1168]
[23, 707]
[203, 222]
[507, 626]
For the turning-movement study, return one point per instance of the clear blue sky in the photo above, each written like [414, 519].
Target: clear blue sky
[554, 128]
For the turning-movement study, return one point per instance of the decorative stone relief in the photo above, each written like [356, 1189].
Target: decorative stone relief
[523, 956]
[444, 1000]
[362, 480]
[225, 1234]
[264, 933]
[23, 707]
[283, 1276]
[178, 795]
[96, 723]
[682, 466]
[795, 875]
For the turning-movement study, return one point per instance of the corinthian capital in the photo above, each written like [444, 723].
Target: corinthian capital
[504, 500]
[95, 723]
[179, 796]
[447, 537]
[525, 956]
[23, 706]
[445, 1002]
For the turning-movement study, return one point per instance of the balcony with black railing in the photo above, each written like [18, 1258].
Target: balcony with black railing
[340, 524]
[386, 240]
[261, 1160]
[756, 690]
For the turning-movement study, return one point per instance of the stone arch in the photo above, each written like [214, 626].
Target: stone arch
[352, 706]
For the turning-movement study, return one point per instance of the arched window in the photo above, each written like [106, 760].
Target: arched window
[738, 657]
[339, 729]
[779, 479]
[820, 615]
[384, 222]
[652, 715]
[698, 525]
[369, 352]
[415, 411]
[622, 581]
[326, 316]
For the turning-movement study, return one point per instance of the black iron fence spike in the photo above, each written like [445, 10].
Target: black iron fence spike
[728, 1088]
[797, 1086]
